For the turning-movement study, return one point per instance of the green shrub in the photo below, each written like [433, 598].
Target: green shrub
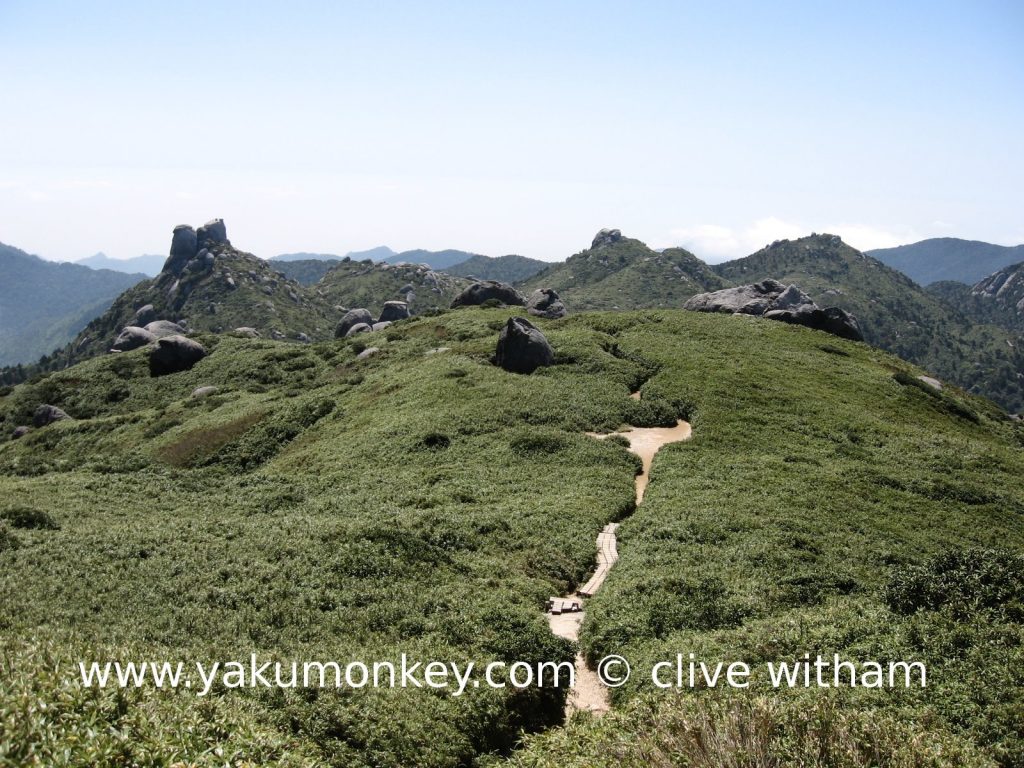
[7, 539]
[967, 581]
[29, 518]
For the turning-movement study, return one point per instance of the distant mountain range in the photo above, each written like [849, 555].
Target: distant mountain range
[310, 268]
[303, 256]
[508, 269]
[948, 258]
[149, 264]
[44, 304]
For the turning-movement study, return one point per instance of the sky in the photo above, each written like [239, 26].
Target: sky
[508, 127]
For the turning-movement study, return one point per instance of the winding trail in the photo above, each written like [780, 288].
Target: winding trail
[565, 614]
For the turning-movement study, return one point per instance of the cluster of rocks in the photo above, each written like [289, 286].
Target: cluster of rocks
[44, 415]
[170, 350]
[773, 300]
[190, 248]
[134, 336]
[543, 302]
[357, 321]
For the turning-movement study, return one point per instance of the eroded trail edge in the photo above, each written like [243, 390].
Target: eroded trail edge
[565, 614]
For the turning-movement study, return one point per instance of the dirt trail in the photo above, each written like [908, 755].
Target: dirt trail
[645, 442]
[566, 614]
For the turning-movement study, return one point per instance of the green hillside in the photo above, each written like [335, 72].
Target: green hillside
[626, 274]
[318, 506]
[43, 304]
[304, 271]
[369, 284]
[997, 299]
[234, 289]
[894, 312]
[506, 269]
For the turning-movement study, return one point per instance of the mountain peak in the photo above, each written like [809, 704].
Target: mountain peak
[605, 237]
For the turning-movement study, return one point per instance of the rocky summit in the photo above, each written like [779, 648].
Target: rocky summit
[774, 301]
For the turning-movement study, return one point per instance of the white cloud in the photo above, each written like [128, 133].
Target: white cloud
[715, 243]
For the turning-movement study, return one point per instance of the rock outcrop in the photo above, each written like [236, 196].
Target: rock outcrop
[173, 354]
[522, 348]
[774, 301]
[132, 337]
[183, 248]
[213, 232]
[351, 319]
[544, 302]
[745, 299]
[47, 414]
[605, 237]
[489, 290]
[358, 328]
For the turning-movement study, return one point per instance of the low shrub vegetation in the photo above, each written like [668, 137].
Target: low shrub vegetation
[428, 502]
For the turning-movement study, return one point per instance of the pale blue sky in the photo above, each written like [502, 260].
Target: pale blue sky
[508, 127]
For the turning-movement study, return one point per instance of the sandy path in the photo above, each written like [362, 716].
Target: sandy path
[589, 693]
[645, 442]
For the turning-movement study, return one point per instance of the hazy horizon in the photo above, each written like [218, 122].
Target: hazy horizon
[341, 253]
[329, 128]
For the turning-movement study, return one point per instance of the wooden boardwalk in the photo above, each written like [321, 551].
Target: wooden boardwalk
[607, 554]
[559, 605]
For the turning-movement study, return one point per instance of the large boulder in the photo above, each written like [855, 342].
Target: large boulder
[183, 248]
[605, 237]
[488, 290]
[352, 318]
[212, 231]
[161, 328]
[47, 414]
[544, 302]
[145, 314]
[774, 301]
[173, 354]
[522, 348]
[753, 299]
[393, 310]
[132, 337]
